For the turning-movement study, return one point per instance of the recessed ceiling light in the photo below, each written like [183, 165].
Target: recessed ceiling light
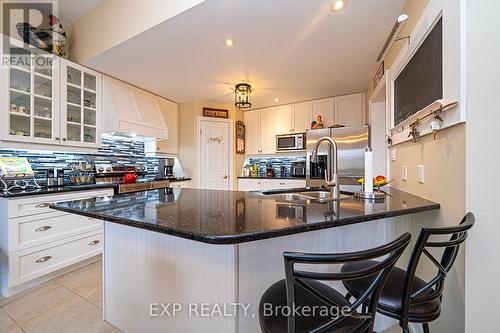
[229, 42]
[338, 5]
[276, 99]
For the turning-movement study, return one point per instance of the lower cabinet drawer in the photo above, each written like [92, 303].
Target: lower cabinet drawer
[25, 265]
[40, 229]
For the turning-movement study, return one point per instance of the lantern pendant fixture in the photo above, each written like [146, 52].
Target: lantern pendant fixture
[242, 95]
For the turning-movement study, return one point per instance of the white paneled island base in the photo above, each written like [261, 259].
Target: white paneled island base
[149, 274]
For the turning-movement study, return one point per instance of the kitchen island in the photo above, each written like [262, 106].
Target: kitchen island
[185, 247]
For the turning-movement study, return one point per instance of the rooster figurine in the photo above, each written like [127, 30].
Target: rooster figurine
[52, 40]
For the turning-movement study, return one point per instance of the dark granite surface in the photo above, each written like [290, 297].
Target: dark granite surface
[72, 188]
[265, 177]
[231, 217]
[54, 190]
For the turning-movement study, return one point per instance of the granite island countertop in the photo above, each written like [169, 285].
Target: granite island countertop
[231, 217]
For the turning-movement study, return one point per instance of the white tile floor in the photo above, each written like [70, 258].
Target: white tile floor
[70, 303]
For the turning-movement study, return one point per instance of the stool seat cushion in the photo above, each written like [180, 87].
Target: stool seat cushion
[390, 299]
[276, 321]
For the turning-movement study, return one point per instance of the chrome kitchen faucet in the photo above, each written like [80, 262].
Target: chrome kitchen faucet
[331, 177]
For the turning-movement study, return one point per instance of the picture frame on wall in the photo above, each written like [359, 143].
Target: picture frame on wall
[215, 113]
[240, 137]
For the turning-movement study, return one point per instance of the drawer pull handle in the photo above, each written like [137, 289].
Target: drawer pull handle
[94, 242]
[42, 205]
[43, 259]
[43, 228]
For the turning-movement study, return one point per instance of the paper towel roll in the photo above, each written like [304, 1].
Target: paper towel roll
[368, 170]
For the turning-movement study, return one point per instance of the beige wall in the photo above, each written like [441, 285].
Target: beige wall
[445, 172]
[188, 137]
[114, 21]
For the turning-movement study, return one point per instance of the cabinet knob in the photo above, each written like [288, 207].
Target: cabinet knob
[64, 139]
[43, 259]
[225, 177]
[58, 138]
[42, 205]
[43, 228]
[94, 242]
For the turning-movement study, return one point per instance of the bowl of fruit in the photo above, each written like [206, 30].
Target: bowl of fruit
[378, 181]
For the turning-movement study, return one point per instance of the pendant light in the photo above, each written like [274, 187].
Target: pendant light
[242, 95]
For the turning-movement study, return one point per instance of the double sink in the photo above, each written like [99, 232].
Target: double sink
[305, 195]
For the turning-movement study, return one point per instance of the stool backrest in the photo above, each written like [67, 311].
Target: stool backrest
[388, 255]
[434, 288]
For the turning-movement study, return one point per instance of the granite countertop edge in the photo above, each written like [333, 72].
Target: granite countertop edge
[249, 237]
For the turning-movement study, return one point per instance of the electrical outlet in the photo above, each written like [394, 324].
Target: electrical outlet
[404, 173]
[420, 173]
[393, 154]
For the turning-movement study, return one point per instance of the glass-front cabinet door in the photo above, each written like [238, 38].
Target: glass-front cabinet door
[81, 105]
[32, 89]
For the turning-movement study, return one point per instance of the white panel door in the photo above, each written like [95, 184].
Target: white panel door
[349, 109]
[214, 153]
[283, 119]
[326, 109]
[252, 132]
[267, 134]
[301, 117]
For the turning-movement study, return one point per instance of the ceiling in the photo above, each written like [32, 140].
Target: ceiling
[288, 49]
[71, 10]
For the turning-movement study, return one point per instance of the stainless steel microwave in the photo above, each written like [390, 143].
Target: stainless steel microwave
[291, 142]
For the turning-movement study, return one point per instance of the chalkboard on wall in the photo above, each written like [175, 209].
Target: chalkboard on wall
[420, 83]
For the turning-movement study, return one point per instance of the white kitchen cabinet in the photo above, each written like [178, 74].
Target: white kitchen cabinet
[80, 105]
[267, 133]
[30, 94]
[38, 241]
[260, 135]
[350, 109]
[170, 145]
[292, 118]
[48, 100]
[301, 117]
[283, 119]
[248, 184]
[326, 108]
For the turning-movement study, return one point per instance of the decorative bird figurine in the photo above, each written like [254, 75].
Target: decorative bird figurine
[52, 40]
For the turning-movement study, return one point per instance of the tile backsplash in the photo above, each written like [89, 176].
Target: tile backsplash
[121, 151]
[275, 163]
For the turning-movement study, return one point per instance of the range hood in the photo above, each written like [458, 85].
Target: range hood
[130, 112]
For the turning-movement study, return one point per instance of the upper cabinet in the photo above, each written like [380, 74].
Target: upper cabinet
[350, 109]
[43, 105]
[263, 125]
[292, 118]
[80, 105]
[132, 110]
[260, 131]
[326, 109]
[170, 111]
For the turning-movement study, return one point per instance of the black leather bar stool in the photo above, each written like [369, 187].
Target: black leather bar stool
[301, 290]
[406, 297]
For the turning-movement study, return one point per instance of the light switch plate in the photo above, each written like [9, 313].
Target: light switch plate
[393, 154]
[404, 173]
[420, 173]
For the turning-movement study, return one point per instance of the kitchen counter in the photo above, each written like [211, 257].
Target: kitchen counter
[232, 217]
[71, 188]
[54, 190]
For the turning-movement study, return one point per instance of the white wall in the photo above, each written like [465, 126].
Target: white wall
[483, 165]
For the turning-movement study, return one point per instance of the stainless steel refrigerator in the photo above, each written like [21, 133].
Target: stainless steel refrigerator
[351, 142]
